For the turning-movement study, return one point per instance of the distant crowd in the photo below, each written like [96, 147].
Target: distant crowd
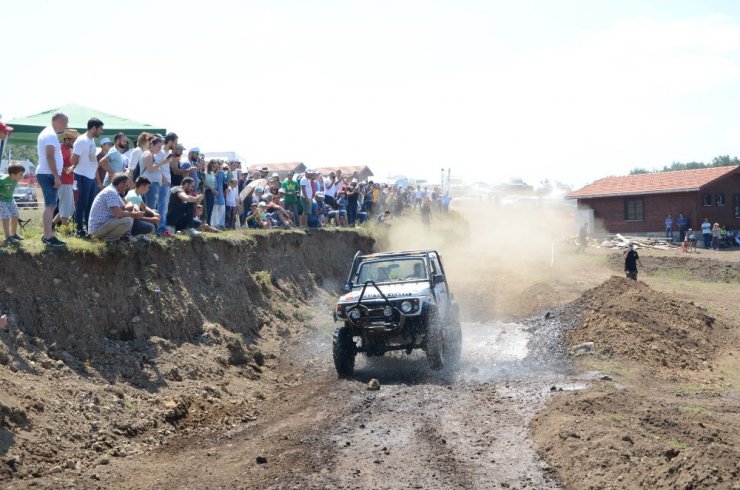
[122, 193]
[713, 236]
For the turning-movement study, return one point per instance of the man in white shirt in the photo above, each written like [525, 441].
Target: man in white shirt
[307, 191]
[85, 165]
[49, 171]
[330, 189]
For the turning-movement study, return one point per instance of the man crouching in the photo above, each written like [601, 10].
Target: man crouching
[109, 220]
[181, 210]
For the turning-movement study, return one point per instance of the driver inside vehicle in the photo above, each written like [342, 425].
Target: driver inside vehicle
[418, 272]
[383, 275]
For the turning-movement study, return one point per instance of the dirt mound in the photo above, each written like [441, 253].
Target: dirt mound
[629, 319]
[609, 437]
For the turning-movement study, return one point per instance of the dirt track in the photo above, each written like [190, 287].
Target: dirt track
[417, 431]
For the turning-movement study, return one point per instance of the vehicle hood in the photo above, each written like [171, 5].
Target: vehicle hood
[391, 291]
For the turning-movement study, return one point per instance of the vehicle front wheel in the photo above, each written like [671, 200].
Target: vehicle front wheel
[444, 343]
[344, 350]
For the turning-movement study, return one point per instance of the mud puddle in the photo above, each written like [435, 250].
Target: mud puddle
[420, 430]
[469, 430]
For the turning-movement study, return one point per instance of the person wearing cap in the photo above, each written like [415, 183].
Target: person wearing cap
[66, 193]
[48, 174]
[276, 212]
[252, 217]
[316, 218]
[291, 188]
[85, 165]
[182, 208]
[114, 162]
[5, 130]
[181, 170]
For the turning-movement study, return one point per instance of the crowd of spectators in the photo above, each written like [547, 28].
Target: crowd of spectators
[128, 194]
[713, 236]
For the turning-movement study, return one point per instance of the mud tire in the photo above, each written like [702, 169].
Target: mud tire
[344, 350]
[444, 342]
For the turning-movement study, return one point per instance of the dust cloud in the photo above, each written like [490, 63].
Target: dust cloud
[502, 262]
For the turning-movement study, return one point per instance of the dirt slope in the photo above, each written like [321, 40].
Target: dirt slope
[107, 357]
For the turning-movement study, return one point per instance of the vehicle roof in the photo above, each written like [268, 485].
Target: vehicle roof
[403, 253]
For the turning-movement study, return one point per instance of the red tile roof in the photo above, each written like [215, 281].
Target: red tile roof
[653, 183]
[280, 167]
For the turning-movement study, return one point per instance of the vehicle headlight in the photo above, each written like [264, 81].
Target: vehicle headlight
[355, 314]
[388, 311]
[406, 306]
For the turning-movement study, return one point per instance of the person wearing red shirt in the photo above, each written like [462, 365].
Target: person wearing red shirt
[66, 198]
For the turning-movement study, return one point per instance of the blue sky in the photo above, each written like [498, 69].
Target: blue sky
[568, 90]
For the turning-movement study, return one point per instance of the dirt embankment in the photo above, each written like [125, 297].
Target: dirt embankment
[665, 415]
[110, 356]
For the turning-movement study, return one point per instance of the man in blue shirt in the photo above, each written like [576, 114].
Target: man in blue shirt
[683, 225]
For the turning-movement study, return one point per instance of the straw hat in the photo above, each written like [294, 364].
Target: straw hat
[70, 133]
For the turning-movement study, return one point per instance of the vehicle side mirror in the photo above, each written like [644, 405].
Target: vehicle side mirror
[439, 279]
[347, 287]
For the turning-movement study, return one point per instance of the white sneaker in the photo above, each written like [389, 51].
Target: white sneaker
[191, 232]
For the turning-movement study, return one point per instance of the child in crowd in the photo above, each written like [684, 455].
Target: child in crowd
[8, 209]
[232, 195]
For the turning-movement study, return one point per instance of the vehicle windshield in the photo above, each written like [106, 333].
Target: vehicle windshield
[412, 269]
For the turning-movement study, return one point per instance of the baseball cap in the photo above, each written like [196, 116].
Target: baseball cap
[320, 194]
[309, 171]
[5, 127]
[195, 150]
[105, 141]
[275, 174]
[266, 196]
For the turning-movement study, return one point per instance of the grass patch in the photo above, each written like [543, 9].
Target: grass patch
[614, 418]
[695, 410]
[301, 315]
[678, 444]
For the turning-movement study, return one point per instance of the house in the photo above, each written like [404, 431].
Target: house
[640, 203]
[359, 172]
[282, 169]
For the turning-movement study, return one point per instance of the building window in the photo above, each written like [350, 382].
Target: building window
[720, 199]
[706, 199]
[737, 205]
[634, 210]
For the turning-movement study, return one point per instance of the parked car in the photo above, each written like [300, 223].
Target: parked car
[25, 196]
[397, 301]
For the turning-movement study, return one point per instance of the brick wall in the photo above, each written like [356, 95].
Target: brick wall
[609, 211]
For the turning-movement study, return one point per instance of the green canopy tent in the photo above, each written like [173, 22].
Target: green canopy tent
[26, 129]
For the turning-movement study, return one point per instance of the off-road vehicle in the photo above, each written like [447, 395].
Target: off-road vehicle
[397, 301]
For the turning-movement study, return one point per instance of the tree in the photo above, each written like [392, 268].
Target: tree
[639, 170]
[21, 152]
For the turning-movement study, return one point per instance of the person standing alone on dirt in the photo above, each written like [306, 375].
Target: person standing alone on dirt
[631, 259]
[582, 234]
